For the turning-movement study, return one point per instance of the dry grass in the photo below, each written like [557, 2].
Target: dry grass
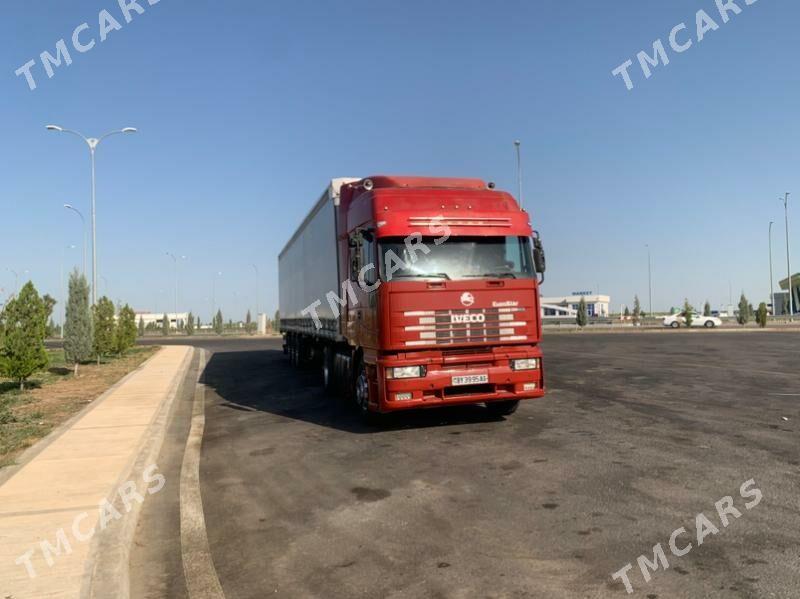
[53, 396]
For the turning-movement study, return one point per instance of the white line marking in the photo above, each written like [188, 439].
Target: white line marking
[198, 565]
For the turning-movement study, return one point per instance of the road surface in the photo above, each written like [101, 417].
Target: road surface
[639, 433]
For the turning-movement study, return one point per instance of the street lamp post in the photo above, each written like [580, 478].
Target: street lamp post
[771, 279]
[175, 262]
[83, 224]
[517, 144]
[650, 280]
[255, 268]
[785, 201]
[92, 142]
[214, 295]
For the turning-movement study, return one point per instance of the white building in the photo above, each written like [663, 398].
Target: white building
[152, 318]
[567, 306]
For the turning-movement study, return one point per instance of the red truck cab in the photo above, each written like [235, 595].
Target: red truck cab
[441, 281]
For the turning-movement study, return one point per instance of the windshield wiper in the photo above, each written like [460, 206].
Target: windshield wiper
[496, 275]
[430, 275]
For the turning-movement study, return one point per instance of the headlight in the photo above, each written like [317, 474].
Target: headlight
[525, 364]
[405, 372]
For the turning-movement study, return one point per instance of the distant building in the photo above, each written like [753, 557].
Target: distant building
[567, 306]
[781, 306]
[157, 319]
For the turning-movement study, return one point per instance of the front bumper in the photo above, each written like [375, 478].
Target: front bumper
[437, 389]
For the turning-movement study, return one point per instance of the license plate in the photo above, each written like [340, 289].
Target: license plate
[470, 379]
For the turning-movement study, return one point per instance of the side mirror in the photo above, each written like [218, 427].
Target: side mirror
[539, 261]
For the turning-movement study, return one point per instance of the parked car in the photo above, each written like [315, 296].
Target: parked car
[698, 320]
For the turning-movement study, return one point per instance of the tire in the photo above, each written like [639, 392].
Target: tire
[362, 397]
[710, 324]
[675, 324]
[502, 408]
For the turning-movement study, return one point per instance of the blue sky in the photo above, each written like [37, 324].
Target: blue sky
[246, 109]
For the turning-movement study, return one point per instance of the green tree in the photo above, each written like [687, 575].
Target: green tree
[761, 315]
[276, 323]
[248, 323]
[582, 317]
[637, 309]
[219, 324]
[141, 326]
[627, 313]
[688, 311]
[51, 329]
[126, 329]
[104, 328]
[190, 324]
[165, 325]
[24, 324]
[78, 325]
[707, 309]
[744, 311]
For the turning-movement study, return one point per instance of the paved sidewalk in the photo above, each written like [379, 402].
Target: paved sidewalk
[62, 487]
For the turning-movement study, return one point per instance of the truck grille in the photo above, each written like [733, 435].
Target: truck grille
[445, 327]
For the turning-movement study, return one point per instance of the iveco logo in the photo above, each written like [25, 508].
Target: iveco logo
[467, 318]
[467, 299]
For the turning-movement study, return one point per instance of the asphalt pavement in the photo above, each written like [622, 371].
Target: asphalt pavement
[638, 434]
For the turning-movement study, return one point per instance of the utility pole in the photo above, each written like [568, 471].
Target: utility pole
[788, 265]
[517, 145]
[771, 279]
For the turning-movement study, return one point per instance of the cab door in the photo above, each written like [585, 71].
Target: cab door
[362, 300]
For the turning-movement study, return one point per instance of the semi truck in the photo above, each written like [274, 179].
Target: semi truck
[416, 292]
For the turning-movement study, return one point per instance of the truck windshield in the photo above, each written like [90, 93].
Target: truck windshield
[456, 258]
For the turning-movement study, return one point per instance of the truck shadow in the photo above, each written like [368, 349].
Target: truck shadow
[263, 381]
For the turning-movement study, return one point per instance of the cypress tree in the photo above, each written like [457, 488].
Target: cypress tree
[78, 326]
[688, 311]
[637, 309]
[582, 318]
[190, 324]
[126, 329]
[24, 323]
[744, 311]
[104, 328]
[165, 325]
[141, 326]
[219, 323]
[707, 309]
[761, 315]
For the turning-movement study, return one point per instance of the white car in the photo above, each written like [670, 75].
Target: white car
[698, 320]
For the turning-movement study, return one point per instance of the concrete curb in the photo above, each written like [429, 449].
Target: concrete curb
[38, 447]
[198, 564]
[107, 569]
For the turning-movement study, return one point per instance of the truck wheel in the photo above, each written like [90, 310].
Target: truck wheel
[362, 390]
[675, 324]
[710, 324]
[328, 377]
[502, 408]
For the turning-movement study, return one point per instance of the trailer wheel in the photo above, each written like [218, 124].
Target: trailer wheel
[328, 376]
[502, 408]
